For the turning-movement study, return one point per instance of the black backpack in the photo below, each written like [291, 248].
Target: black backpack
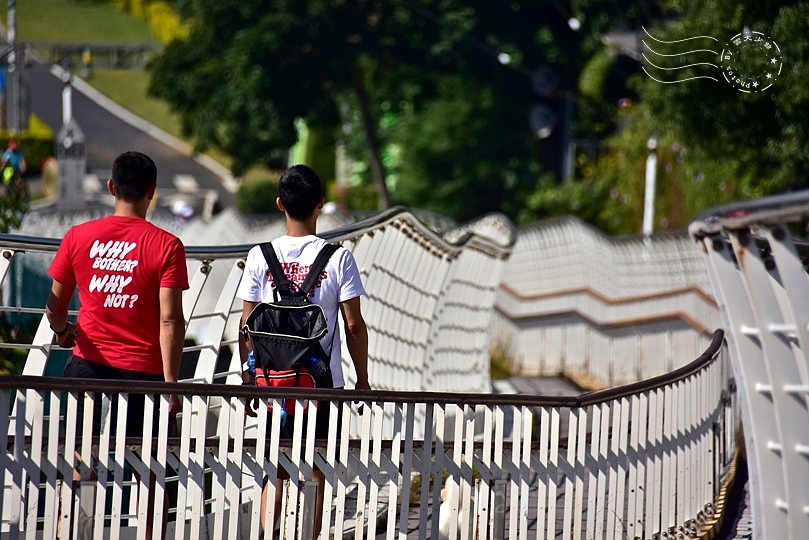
[286, 333]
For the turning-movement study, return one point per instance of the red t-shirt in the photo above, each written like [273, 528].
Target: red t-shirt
[118, 265]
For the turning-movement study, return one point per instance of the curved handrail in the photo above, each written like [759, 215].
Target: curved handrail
[24, 242]
[767, 210]
[582, 400]
[659, 381]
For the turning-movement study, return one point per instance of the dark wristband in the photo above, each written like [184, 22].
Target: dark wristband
[62, 332]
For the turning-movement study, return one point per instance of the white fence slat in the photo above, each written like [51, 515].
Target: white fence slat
[5, 458]
[614, 464]
[142, 488]
[50, 468]
[235, 464]
[654, 463]
[499, 494]
[271, 465]
[190, 472]
[636, 465]
[553, 466]
[395, 479]
[329, 469]
[468, 493]
[103, 460]
[118, 466]
[424, 468]
[16, 468]
[580, 468]
[619, 457]
[364, 470]
[512, 463]
[570, 473]
[603, 465]
[375, 476]
[36, 406]
[487, 478]
[591, 504]
[192, 475]
[544, 479]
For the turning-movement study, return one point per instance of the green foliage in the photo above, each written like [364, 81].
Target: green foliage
[501, 363]
[68, 21]
[752, 143]
[460, 153]
[13, 360]
[422, 85]
[165, 21]
[715, 144]
[161, 16]
[257, 197]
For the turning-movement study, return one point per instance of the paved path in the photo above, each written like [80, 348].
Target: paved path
[110, 130]
[738, 524]
[517, 385]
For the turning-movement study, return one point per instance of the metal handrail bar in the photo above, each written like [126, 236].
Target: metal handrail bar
[741, 214]
[707, 357]
[583, 400]
[23, 242]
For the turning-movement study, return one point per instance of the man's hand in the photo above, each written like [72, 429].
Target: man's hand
[362, 385]
[174, 405]
[68, 338]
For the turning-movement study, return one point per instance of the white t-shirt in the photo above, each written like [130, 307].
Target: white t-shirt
[296, 255]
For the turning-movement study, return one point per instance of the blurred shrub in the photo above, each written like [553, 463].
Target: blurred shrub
[257, 197]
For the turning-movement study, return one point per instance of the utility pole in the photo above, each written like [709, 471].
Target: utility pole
[13, 78]
[651, 173]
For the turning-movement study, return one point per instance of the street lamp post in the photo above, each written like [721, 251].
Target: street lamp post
[649, 200]
[13, 82]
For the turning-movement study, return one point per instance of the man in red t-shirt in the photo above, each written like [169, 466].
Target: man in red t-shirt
[130, 276]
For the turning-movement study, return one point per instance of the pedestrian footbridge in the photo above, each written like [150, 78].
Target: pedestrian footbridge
[431, 452]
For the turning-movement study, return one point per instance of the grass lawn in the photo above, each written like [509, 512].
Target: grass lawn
[127, 88]
[73, 22]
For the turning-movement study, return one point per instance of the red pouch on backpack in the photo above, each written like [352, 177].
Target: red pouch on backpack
[289, 378]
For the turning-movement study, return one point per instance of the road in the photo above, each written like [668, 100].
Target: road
[108, 134]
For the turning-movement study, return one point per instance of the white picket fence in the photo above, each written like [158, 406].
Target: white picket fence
[629, 462]
[639, 461]
[603, 310]
[757, 253]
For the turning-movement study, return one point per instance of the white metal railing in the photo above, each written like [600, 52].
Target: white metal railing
[757, 254]
[643, 461]
[428, 300]
[576, 302]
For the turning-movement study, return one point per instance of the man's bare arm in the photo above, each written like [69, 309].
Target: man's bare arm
[56, 311]
[356, 340]
[172, 334]
[247, 309]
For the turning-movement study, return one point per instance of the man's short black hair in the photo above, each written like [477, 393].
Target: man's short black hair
[133, 174]
[300, 189]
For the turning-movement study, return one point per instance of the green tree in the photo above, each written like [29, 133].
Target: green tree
[756, 143]
[439, 91]
[248, 70]
[715, 143]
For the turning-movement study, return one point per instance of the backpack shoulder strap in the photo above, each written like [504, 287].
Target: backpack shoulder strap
[317, 267]
[282, 284]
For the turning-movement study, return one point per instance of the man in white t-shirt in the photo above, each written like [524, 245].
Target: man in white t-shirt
[339, 289]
